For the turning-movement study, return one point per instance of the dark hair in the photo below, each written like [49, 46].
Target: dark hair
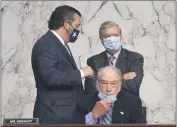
[60, 15]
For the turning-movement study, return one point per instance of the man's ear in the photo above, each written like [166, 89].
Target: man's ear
[101, 39]
[121, 38]
[97, 86]
[120, 86]
[65, 24]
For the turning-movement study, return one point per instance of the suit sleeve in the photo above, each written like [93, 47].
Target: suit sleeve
[90, 85]
[137, 115]
[47, 62]
[132, 86]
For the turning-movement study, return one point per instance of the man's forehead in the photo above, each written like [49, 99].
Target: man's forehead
[105, 80]
[111, 30]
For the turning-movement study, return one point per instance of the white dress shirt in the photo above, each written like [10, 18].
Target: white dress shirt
[62, 41]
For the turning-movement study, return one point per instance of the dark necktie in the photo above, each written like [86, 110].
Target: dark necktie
[67, 48]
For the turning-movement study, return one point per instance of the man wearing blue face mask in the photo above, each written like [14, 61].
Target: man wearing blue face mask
[58, 80]
[111, 105]
[130, 63]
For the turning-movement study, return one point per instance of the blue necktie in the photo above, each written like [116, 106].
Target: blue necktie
[106, 119]
[67, 49]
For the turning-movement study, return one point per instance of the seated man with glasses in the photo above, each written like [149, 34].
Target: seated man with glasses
[111, 105]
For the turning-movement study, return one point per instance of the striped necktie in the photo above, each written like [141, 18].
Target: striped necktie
[111, 60]
[107, 118]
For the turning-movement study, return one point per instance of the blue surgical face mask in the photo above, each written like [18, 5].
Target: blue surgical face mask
[112, 43]
[102, 96]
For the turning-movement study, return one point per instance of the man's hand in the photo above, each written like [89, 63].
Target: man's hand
[129, 75]
[88, 72]
[100, 108]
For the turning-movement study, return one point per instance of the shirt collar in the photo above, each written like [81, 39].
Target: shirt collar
[58, 36]
[116, 54]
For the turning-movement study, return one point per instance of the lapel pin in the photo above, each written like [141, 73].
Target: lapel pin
[122, 113]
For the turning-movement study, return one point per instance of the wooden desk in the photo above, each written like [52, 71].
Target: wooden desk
[113, 125]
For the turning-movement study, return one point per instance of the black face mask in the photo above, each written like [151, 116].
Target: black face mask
[73, 35]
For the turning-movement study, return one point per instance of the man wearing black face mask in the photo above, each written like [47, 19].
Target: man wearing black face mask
[58, 80]
[129, 63]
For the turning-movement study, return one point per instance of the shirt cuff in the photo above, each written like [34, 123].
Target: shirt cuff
[89, 120]
[82, 74]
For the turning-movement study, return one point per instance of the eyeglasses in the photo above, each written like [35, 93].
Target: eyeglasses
[113, 84]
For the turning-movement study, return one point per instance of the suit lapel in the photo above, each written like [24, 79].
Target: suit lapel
[104, 60]
[67, 54]
[72, 58]
[118, 110]
[61, 46]
[121, 61]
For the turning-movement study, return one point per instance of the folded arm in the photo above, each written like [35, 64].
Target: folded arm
[132, 85]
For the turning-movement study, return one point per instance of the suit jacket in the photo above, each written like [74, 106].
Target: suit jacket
[58, 82]
[126, 109]
[127, 61]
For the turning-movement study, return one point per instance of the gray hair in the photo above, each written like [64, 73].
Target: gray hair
[101, 70]
[108, 24]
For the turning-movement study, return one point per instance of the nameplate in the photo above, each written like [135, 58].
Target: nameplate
[20, 121]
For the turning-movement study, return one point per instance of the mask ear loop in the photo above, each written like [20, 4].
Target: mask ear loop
[67, 21]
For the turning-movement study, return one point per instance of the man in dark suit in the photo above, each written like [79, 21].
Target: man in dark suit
[58, 80]
[111, 105]
[130, 63]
